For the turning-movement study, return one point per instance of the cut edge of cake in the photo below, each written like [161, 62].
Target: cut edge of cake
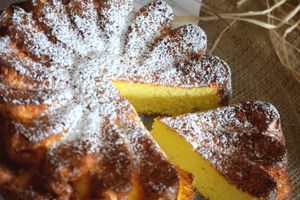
[201, 83]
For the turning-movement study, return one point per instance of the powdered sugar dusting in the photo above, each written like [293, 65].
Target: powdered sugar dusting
[27, 31]
[148, 23]
[81, 67]
[55, 16]
[73, 50]
[114, 24]
[208, 129]
[84, 15]
[159, 64]
[80, 72]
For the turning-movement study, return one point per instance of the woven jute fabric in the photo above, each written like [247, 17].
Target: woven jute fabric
[258, 73]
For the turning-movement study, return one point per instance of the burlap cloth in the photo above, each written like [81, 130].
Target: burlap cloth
[258, 74]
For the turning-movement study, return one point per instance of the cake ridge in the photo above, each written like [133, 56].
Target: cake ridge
[36, 42]
[84, 16]
[7, 55]
[150, 20]
[56, 17]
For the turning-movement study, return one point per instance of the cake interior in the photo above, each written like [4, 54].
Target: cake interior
[152, 99]
[208, 181]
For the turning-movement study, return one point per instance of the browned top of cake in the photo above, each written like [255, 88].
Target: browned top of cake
[244, 142]
[62, 115]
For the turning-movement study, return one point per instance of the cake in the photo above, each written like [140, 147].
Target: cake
[234, 151]
[66, 68]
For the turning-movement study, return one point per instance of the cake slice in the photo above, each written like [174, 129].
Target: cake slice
[234, 152]
[198, 84]
[165, 69]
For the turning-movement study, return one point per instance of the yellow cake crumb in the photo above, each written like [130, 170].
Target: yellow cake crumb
[151, 99]
[211, 184]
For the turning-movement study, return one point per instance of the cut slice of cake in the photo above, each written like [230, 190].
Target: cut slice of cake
[234, 152]
[201, 83]
[166, 71]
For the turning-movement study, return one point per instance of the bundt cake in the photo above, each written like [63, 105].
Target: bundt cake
[234, 152]
[66, 67]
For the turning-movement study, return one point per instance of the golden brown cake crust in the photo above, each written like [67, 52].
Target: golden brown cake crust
[244, 142]
[43, 153]
[208, 71]
[64, 121]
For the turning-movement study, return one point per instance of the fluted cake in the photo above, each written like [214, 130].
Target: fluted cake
[234, 152]
[66, 67]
